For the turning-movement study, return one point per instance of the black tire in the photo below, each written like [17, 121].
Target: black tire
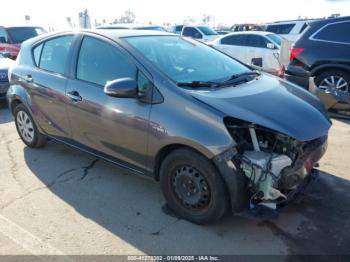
[333, 72]
[214, 201]
[38, 140]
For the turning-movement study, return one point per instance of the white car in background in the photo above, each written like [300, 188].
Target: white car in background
[202, 33]
[290, 30]
[256, 48]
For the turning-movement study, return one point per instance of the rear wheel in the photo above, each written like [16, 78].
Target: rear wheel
[337, 79]
[27, 129]
[192, 187]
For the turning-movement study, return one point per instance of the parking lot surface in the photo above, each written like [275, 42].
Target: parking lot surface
[58, 200]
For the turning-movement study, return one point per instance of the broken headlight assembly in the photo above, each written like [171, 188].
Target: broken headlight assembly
[273, 164]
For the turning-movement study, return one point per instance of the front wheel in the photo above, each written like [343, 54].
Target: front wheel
[192, 187]
[27, 129]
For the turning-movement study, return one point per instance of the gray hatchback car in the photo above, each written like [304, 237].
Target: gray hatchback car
[218, 135]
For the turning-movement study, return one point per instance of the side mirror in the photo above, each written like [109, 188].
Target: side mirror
[198, 36]
[122, 87]
[270, 46]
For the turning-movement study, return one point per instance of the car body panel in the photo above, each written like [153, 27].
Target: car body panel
[5, 64]
[294, 111]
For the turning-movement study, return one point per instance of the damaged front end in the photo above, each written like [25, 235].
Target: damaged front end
[269, 166]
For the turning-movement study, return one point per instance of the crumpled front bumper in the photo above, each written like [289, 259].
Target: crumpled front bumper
[237, 184]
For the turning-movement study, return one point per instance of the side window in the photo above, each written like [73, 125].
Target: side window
[337, 32]
[55, 53]
[3, 36]
[37, 53]
[239, 40]
[100, 62]
[281, 29]
[191, 32]
[257, 41]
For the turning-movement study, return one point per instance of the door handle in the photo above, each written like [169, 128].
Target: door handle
[29, 79]
[74, 96]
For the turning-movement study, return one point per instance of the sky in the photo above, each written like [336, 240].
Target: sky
[54, 13]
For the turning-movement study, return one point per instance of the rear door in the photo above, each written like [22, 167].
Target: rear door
[234, 46]
[116, 127]
[46, 82]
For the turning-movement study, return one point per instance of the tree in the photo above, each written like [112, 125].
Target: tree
[127, 18]
[206, 19]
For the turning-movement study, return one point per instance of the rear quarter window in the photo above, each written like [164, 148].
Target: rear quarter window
[37, 53]
[282, 29]
[335, 32]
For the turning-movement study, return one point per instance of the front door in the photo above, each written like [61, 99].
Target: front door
[117, 127]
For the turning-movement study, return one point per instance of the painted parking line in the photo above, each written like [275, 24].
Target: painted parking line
[25, 239]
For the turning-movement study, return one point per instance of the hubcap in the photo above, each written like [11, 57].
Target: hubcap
[335, 82]
[25, 126]
[191, 187]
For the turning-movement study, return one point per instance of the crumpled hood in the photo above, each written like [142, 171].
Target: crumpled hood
[273, 103]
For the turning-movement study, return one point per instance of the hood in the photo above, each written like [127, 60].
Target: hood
[273, 103]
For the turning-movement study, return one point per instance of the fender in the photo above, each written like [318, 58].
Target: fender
[332, 65]
[18, 93]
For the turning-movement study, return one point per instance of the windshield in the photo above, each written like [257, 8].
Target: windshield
[207, 30]
[20, 34]
[186, 60]
[275, 38]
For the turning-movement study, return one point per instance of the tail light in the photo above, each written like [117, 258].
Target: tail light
[295, 52]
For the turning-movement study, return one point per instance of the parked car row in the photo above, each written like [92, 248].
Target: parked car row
[323, 52]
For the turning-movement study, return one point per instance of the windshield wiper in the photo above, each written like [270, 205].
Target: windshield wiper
[240, 75]
[231, 80]
[198, 84]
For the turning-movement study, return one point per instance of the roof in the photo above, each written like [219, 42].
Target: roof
[120, 33]
[126, 26]
[22, 26]
[330, 20]
[314, 20]
[108, 33]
